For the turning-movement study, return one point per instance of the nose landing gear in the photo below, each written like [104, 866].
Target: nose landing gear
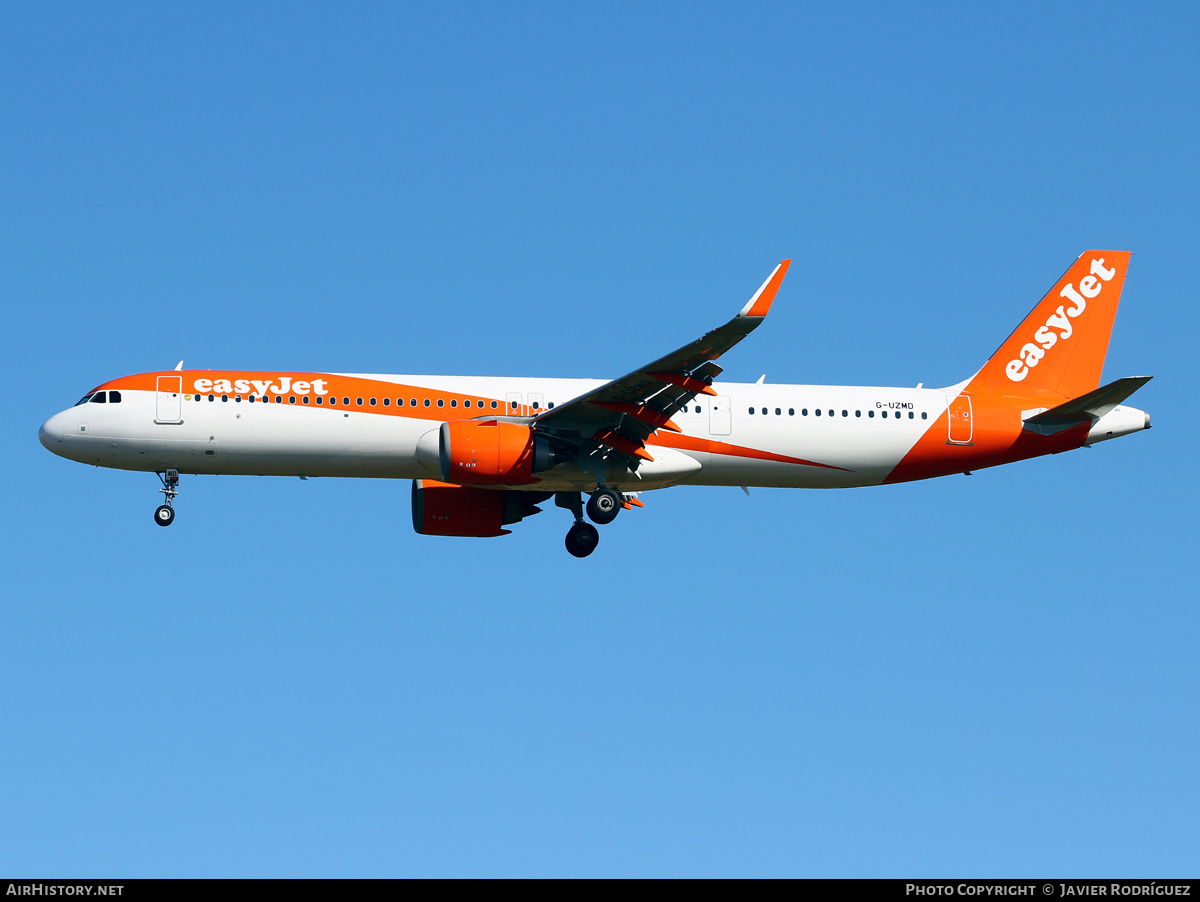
[164, 514]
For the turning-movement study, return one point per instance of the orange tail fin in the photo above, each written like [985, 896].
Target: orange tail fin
[1060, 347]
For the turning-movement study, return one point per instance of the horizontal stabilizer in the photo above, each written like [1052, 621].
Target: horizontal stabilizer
[1091, 406]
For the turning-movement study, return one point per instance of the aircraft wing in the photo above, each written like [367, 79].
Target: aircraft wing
[620, 415]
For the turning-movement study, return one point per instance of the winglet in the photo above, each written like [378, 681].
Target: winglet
[760, 304]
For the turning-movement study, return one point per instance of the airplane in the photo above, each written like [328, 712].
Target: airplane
[484, 452]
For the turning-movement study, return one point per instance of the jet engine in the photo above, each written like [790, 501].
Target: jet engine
[489, 452]
[442, 509]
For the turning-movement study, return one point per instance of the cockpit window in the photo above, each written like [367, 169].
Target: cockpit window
[99, 398]
[114, 397]
[84, 399]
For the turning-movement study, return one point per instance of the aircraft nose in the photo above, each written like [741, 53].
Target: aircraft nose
[51, 433]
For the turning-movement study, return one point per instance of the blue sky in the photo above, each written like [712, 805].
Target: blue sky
[992, 675]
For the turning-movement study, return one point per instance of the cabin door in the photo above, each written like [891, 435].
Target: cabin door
[962, 426]
[720, 416]
[169, 400]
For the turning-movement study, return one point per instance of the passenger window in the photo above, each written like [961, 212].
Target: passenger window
[911, 414]
[358, 401]
[320, 400]
[114, 397]
[441, 402]
[467, 402]
[333, 401]
[514, 404]
[372, 402]
[387, 402]
[804, 412]
[197, 397]
[817, 411]
[412, 402]
[426, 402]
[535, 405]
[454, 402]
[858, 413]
[924, 415]
[99, 398]
[778, 412]
[845, 413]
[549, 406]
[238, 399]
[831, 413]
[751, 411]
[304, 399]
[278, 399]
[871, 414]
[212, 397]
[291, 399]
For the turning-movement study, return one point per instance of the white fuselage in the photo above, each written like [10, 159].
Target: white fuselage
[851, 436]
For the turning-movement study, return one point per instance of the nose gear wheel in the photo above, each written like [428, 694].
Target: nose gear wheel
[164, 514]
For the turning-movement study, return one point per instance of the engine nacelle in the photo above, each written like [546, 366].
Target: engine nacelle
[489, 452]
[443, 509]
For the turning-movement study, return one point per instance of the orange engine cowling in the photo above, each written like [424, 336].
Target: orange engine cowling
[487, 452]
[442, 509]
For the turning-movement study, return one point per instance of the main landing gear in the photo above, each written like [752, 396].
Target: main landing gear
[164, 514]
[602, 507]
[582, 539]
